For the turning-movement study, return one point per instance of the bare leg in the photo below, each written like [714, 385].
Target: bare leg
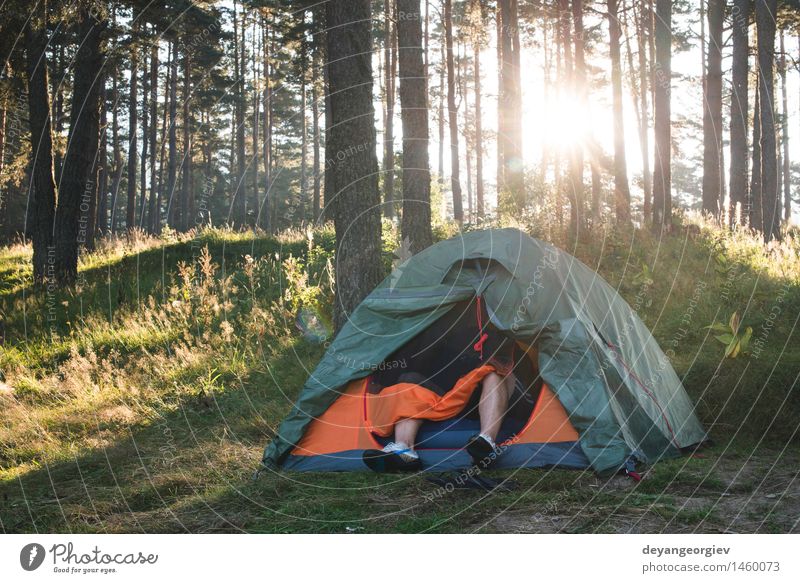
[494, 402]
[406, 430]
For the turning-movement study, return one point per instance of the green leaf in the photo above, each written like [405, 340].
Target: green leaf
[726, 338]
[745, 340]
[718, 327]
[734, 322]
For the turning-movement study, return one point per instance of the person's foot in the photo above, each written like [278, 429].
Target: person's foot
[395, 457]
[483, 450]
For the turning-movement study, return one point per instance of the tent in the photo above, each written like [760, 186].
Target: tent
[602, 393]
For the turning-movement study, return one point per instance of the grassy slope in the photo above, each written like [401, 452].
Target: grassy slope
[145, 399]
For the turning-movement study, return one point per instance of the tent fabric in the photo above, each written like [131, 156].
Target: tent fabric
[344, 426]
[616, 385]
[567, 455]
[413, 401]
[337, 440]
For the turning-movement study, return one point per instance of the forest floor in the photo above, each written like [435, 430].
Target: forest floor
[141, 400]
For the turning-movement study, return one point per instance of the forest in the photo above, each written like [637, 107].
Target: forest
[196, 194]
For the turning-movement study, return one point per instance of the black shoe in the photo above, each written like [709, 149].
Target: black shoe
[482, 452]
[390, 462]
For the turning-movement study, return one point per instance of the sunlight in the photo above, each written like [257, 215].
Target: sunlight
[566, 124]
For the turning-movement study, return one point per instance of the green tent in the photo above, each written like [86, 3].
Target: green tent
[606, 370]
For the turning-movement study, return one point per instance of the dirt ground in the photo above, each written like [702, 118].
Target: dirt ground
[713, 492]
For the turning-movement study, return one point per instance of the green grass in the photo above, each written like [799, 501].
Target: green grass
[144, 402]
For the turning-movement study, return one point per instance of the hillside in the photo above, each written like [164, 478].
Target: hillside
[142, 399]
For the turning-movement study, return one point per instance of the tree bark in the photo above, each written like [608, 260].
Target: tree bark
[79, 180]
[662, 114]
[354, 182]
[264, 216]
[151, 205]
[315, 128]
[172, 161]
[578, 219]
[643, 32]
[165, 120]
[43, 184]
[303, 125]
[390, 72]
[770, 198]
[240, 186]
[754, 204]
[99, 220]
[712, 111]
[740, 17]
[479, 192]
[133, 118]
[452, 112]
[461, 83]
[145, 141]
[622, 193]
[416, 224]
[186, 164]
[442, 91]
[510, 108]
[787, 176]
[256, 126]
[118, 166]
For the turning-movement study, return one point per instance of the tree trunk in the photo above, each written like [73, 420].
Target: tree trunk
[172, 163]
[256, 127]
[770, 198]
[510, 108]
[151, 206]
[390, 62]
[79, 180]
[354, 190]
[99, 220]
[162, 153]
[501, 115]
[787, 176]
[315, 128]
[622, 193]
[479, 193]
[263, 212]
[416, 225]
[117, 155]
[461, 83]
[303, 126]
[240, 196]
[133, 118]
[712, 111]
[662, 114]
[186, 165]
[578, 219]
[452, 114]
[442, 91]
[145, 141]
[43, 184]
[740, 18]
[754, 205]
[643, 32]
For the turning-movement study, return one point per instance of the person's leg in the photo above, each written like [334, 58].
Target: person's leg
[494, 402]
[405, 431]
[398, 455]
